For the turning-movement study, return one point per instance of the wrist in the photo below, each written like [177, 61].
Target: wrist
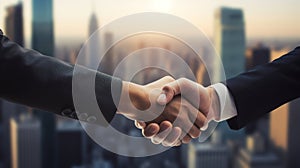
[134, 97]
[214, 111]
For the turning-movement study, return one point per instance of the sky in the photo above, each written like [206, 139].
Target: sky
[264, 19]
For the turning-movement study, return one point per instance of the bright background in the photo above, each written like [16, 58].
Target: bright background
[265, 19]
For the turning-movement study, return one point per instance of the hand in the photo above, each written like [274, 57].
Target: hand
[145, 107]
[208, 105]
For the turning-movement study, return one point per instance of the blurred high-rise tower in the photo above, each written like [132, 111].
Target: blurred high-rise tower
[14, 23]
[108, 62]
[210, 154]
[230, 41]
[257, 55]
[230, 45]
[42, 26]
[94, 47]
[43, 41]
[284, 131]
[14, 30]
[256, 154]
[25, 135]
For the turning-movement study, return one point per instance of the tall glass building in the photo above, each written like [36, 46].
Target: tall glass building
[14, 23]
[94, 46]
[42, 26]
[230, 41]
[43, 41]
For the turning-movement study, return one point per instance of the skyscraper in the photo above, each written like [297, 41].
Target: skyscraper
[43, 41]
[230, 40]
[8, 111]
[42, 26]
[257, 55]
[210, 154]
[25, 142]
[284, 131]
[94, 47]
[69, 144]
[14, 23]
[256, 154]
[230, 45]
[108, 62]
[93, 24]
[14, 30]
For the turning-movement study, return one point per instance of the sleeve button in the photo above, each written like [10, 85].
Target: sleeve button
[91, 119]
[82, 116]
[66, 112]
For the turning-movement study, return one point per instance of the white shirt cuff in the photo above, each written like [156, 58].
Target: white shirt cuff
[227, 105]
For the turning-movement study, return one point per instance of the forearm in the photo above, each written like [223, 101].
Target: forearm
[32, 79]
[26, 78]
[265, 88]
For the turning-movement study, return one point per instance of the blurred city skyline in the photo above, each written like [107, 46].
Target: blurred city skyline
[264, 19]
[263, 143]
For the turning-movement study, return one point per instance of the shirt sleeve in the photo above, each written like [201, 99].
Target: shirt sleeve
[223, 107]
[227, 107]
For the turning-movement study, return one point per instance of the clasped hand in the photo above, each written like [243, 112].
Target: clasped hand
[168, 111]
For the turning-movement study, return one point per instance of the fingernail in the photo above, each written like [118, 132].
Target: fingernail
[162, 99]
[205, 126]
[152, 130]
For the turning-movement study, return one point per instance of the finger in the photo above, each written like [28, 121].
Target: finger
[195, 93]
[165, 129]
[140, 124]
[173, 137]
[210, 117]
[150, 130]
[185, 123]
[187, 126]
[178, 143]
[168, 92]
[186, 139]
[197, 117]
[194, 132]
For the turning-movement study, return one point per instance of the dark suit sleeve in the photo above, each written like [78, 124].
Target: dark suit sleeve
[32, 79]
[265, 88]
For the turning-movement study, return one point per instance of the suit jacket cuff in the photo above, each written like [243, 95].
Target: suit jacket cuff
[108, 90]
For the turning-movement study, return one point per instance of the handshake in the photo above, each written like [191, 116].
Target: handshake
[168, 111]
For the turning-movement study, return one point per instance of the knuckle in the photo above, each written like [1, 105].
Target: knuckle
[183, 80]
[155, 141]
[169, 78]
[195, 134]
[168, 142]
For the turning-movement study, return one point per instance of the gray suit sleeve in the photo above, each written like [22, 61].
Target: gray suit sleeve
[39, 81]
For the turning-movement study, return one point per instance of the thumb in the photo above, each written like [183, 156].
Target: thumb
[140, 124]
[168, 92]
